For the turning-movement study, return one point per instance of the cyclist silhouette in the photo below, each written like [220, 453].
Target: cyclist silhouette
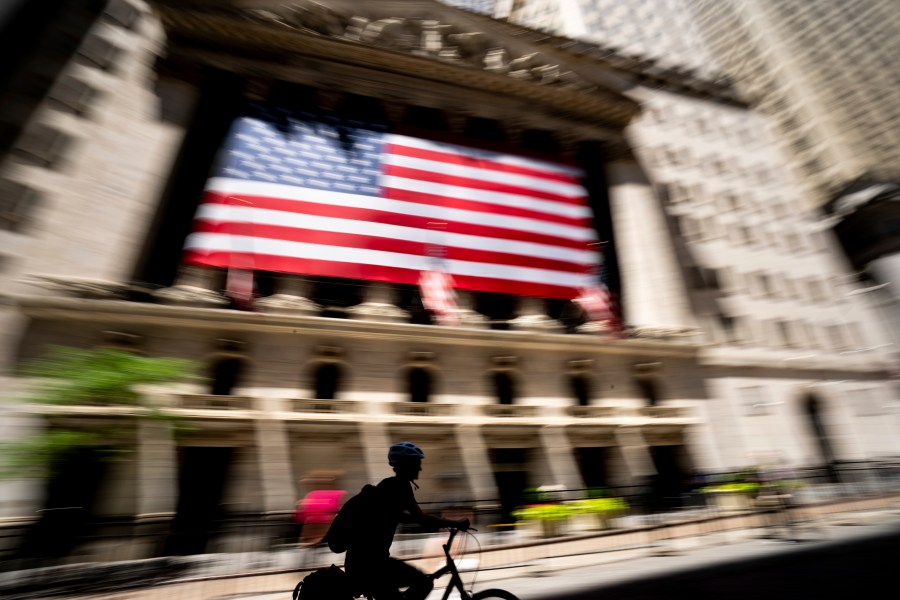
[368, 561]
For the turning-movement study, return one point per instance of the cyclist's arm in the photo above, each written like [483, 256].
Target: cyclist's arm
[433, 522]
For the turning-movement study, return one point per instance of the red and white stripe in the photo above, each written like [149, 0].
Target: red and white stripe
[509, 224]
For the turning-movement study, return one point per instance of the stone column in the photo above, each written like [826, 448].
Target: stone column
[561, 460]
[375, 444]
[275, 473]
[292, 297]
[476, 463]
[532, 317]
[378, 305]
[195, 286]
[157, 486]
[653, 288]
[635, 452]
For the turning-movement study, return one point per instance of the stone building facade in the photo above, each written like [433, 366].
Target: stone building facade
[742, 336]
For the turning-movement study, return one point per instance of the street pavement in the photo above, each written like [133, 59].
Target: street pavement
[832, 553]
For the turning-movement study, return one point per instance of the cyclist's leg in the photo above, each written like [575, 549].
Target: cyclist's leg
[382, 578]
[418, 584]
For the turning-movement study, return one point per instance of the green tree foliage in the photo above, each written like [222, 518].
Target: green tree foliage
[72, 376]
[67, 376]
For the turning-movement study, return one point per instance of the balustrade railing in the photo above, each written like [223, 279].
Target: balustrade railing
[318, 406]
[597, 412]
[428, 409]
[422, 409]
[214, 402]
[502, 411]
[665, 412]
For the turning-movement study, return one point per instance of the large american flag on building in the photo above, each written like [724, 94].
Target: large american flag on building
[316, 195]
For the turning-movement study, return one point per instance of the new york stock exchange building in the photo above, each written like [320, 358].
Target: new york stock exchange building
[545, 262]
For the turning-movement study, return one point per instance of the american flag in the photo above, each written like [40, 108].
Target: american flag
[309, 194]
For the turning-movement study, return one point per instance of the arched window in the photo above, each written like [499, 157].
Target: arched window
[504, 387]
[419, 381]
[327, 380]
[226, 373]
[581, 389]
[649, 389]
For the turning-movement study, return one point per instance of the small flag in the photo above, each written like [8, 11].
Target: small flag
[239, 287]
[597, 301]
[438, 296]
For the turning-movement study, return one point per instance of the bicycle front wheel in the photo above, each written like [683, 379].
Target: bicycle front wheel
[494, 594]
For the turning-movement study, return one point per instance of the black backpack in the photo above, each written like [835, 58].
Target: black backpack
[327, 583]
[352, 519]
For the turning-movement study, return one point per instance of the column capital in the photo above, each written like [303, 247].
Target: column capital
[292, 297]
[378, 305]
[195, 286]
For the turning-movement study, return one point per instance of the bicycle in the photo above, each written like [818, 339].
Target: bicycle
[456, 581]
[335, 579]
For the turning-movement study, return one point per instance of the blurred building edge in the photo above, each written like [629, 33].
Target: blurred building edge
[743, 332]
[832, 97]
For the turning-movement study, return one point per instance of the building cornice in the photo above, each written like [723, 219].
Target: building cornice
[303, 41]
[120, 312]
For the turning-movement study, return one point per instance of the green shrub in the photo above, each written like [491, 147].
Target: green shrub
[736, 487]
[563, 510]
[598, 506]
[543, 512]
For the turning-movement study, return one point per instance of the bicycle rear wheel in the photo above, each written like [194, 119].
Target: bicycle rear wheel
[494, 594]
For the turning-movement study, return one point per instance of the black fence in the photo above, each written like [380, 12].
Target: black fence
[159, 549]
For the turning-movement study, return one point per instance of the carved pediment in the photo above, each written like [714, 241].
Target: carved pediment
[427, 29]
[418, 28]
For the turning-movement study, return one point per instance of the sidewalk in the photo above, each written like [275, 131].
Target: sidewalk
[696, 556]
[571, 565]
[594, 575]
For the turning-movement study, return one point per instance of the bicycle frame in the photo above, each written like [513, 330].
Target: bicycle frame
[455, 579]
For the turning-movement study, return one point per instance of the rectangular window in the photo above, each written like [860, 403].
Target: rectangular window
[17, 205]
[766, 286]
[815, 290]
[689, 227]
[43, 144]
[727, 326]
[728, 202]
[729, 280]
[788, 334]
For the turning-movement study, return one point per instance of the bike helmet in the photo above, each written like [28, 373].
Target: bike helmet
[404, 451]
